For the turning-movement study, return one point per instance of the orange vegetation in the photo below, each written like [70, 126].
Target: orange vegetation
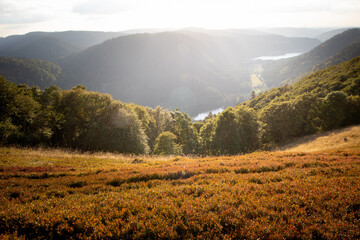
[58, 195]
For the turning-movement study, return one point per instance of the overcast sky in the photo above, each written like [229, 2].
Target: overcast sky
[22, 16]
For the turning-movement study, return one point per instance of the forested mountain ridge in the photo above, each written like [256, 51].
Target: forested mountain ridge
[293, 69]
[77, 39]
[90, 121]
[33, 72]
[343, 55]
[38, 46]
[192, 70]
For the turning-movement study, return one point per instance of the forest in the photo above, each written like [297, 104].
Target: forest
[90, 121]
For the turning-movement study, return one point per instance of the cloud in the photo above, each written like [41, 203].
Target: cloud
[19, 12]
[100, 7]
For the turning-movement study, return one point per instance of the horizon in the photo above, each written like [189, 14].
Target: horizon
[19, 17]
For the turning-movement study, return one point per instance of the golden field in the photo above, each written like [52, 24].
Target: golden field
[53, 194]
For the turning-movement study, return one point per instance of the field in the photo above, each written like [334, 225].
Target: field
[345, 139]
[53, 194]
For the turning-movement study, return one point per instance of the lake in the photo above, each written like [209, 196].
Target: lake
[202, 116]
[287, 55]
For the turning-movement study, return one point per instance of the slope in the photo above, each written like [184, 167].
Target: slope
[192, 70]
[342, 77]
[340, 139]
[32, 72]
[291, 70]
[37, 46]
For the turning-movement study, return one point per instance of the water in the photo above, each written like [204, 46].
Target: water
[202, 116]
[287, 55]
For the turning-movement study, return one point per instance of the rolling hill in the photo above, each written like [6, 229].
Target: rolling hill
[293, 69]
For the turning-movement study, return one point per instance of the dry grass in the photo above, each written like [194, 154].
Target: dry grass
[48, 157]
[341, 139]
[58, 194]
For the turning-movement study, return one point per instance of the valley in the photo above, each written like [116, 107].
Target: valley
[278, 157]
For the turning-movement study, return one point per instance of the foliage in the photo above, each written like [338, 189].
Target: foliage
[166, 144]
[325, 100]
[91, 121]
[235, 131]
[265, 195]
[32, 72]
[73, 118]
[186, 134]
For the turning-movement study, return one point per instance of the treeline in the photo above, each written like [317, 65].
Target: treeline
[88, 121]
[91, 121]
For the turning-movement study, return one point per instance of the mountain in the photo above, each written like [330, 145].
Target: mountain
[297, 32]
[37, 46]
[82, 39]
[342, 56]
[327, 35]
[189, 69]
[32, 72]
[52, 46]
[291, 70]
[342, 77]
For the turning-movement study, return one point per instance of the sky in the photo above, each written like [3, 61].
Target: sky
[22, 16]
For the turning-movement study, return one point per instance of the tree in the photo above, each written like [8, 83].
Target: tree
[96, 122]
[226, 136]
[206, 137]
[185, 132]
[334, 110]
[166, 144]
[162, 122]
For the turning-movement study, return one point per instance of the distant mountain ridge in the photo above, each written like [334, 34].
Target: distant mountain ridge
[195, 70]
[188, 69]
[291, 70]
[52, 46]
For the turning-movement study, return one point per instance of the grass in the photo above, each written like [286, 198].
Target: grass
[344, 139]
[54, 194]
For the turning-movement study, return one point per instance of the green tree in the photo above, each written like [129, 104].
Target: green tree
[334, 110]
[226, 137]
[96, 122]
[206, 137]
[166, 144]
[185, 132]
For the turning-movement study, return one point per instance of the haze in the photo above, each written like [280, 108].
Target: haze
[21, 16]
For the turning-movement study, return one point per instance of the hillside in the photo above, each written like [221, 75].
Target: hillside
[325, 100]
[32, 72]
[342, 77]
[341, 139]
[329, 34]
[342, 56]
[290, 70]
[39, 47]
[194, 71]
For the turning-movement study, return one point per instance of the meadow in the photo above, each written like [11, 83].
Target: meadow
[54, 194]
